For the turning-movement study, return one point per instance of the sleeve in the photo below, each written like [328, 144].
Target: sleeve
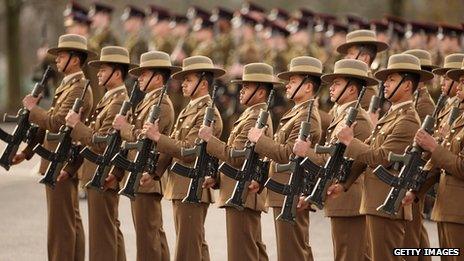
[449, 161]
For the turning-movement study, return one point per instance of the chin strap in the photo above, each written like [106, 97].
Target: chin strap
[299, 87]
[198, 84]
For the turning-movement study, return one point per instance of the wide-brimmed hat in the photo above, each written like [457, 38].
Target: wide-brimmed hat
[362, 37]
[72, 42]
[198, 64]
[350, 68]
[258, 72]
[113, 55]
[424, 57]
[404, 63]
[452, 61]
[455, 74]
[155, 60]
[303, 65]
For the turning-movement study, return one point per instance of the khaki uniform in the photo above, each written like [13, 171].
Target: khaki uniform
[225, 45]
[106, 241]
[424, 104]
[164, 44]
[443, 119]
[241, 244]
[207, 48]
[146, 208]
[346, 220]
[188, 218]
[65, 237]
[448, 210]
[393, 133]
[136, 46]
[292, 240]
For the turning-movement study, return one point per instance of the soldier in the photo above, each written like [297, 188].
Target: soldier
[363, 45]
[101, 35]
[65, 236]
[254, 10]
[134, 42]
[446, 159]
[198, 74]
[159, 22]
[204, 36]
[76, 20]
[393, 133]
[449, 39]
[276, 46]
[180, 30]
[349, 77]
[244, 240]
[384, 34]
[449, 87]
[106, 241]
[154, 72]
[304, 82]
[222, 19]
[423, 102]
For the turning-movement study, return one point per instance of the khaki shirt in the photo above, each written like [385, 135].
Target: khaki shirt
[280, 148]
[237, 139]
[184, 134]
[52, 119]
[393, 133]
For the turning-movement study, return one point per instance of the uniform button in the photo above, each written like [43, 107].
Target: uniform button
[458, 138]
[373, 139]
[181, 120]
[453, 131]
[378, 127]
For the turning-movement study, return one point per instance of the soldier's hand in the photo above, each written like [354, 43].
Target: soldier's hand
[209, 182]
[151, 130]
[120, 122]
[335, 190]
[110, 181]
[64, 175]
[408, 198]
[346, 134]
[30, 101]
[146, 180]
[253, 187]
[205, 133]
[254, 134]
[302, 204]
[300, 148]
[18, 158]
[73, 118]
[425, 140]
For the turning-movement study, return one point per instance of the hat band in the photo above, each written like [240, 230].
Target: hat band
[452, 65]
[404, 66]
[72, 44]
[115, 58]
[155, 63]
[199, 66]
[305, 68]
[352, 71]
[258, 77]
[362, 39]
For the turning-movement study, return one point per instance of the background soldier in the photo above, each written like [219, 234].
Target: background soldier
[134, 42]
[159, 21]
[65, 237]
[106, 241]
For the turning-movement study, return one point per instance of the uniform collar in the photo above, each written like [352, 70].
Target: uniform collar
[255, 106]
[68, 77]
[298, 106]
[343, 107]
[399, 105]
[197, 100]
[113, 91]
[151, 94]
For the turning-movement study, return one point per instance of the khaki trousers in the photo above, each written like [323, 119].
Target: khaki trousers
[344, 230]
[106, 241]
[148, 222]
[293, 239]
[189, 221]
[65, 236]
[244, 241]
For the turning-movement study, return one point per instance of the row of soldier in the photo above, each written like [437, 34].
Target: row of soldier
[368, 142]
[235, 38]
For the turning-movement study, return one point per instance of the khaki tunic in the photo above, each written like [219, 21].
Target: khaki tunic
[237, 140]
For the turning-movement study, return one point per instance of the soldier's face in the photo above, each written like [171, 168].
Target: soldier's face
[189, 84]
[293, 82]
[104, 73]
[445, 84]
[391, 84]
[337, 88]
[351, 53]
[460, 92]
[144, 78]
[61, 60]
[247, 90]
